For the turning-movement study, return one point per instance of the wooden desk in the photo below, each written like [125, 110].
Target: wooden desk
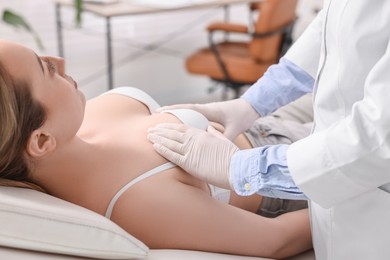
[126, 7]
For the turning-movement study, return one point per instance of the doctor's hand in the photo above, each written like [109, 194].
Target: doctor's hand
[205, 155]
[235, 115]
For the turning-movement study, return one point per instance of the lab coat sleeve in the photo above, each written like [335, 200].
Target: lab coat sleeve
[281, 84]
[263, 170]
[352, 156]
[305, 52]
[292, 77]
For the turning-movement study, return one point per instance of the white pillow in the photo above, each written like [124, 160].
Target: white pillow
[36, 221]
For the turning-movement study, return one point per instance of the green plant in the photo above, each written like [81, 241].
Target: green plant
[17, 21]
[79, 8]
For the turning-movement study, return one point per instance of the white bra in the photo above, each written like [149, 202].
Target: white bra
[187, 116]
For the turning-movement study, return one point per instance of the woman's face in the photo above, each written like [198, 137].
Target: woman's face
[49, 85]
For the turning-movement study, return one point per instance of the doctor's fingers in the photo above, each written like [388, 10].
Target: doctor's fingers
[169, 141]
[177, 132]
[168, 126]
[169, 154]
[216, 133]
[177, 106]
[173, 132]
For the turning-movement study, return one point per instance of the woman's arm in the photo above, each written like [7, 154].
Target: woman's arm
[166, 213]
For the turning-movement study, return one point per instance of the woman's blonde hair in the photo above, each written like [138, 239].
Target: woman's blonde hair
[20, 115]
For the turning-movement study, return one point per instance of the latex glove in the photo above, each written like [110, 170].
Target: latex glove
[235, 115]
[205, 155]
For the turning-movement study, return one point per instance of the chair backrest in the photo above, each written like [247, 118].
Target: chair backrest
[273, 14]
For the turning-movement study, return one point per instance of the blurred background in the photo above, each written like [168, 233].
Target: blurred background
[160, 70]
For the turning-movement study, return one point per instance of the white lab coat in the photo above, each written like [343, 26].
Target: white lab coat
[343, 164]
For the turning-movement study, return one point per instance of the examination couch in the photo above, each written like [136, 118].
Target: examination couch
[36, 226]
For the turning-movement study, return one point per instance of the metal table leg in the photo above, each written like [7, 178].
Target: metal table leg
[226, 18]
[109, 54]
[59, 30]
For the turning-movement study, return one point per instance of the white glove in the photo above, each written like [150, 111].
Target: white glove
[235, 115]
[205, 155]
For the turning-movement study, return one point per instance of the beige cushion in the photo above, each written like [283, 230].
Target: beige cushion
[36, 221]
[154, 254]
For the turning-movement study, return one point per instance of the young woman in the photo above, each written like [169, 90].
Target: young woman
[93, 154]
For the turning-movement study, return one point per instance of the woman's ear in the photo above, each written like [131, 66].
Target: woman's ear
[40, 143]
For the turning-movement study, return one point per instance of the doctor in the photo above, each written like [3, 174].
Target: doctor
[343, 57]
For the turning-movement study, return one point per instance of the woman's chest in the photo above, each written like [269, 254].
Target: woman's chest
[124, 153]
[123, 138]
[118, 126]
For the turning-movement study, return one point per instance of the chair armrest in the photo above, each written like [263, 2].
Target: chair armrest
[227, 27]
[281, 30]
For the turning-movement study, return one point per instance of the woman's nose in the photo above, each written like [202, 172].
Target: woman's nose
[60, 63]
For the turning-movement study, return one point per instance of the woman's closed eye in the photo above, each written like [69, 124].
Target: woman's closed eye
[51, 66]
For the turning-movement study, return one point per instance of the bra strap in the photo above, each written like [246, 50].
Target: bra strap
[147, 174]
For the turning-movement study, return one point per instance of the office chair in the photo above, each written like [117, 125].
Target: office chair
[239, 63]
